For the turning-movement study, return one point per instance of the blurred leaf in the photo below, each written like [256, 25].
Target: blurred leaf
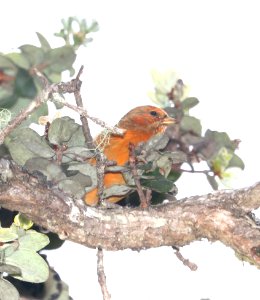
[237, 162]
[61, 59]
[191, 124]
[5, 62]
[117, 190]
[212, 181]
[159, 184]
[22, 103]
[157, 142]
[8, 291]
[7, 235]
[19, 60]
[44, 43]
[74, 153]
[77, 139]
[24, 85]
[167, 159]
[86, 169]
[174, 176]
[33, 241]
[11, 270]
[61, 130]
[33, 266]
[189, 102]
[22, 221]
[33, 54]
[25, 143]
[50, 169]
[72, 187]
[220, 162]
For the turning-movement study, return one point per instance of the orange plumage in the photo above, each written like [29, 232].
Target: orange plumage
[140, 124]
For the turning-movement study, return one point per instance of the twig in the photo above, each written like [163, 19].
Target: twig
[186, 262]
[144, 201]
[81, 111]
[17, 120]
[101, 275]
[84, 120]
[196, 171]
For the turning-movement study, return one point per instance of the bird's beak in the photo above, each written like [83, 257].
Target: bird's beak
[168, 121]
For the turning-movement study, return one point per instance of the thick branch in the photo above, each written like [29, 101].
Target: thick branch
[222, 216]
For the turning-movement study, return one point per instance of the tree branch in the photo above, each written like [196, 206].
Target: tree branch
[220, 216]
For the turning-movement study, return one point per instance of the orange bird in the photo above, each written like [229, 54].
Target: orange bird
[140, 124]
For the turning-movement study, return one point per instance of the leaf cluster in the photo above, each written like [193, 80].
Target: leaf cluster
[213, 147]
[18, 85]
[19, 256]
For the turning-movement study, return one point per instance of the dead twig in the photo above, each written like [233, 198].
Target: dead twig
[186, 262]
[84, 120]
[144, 199]
[101, 275]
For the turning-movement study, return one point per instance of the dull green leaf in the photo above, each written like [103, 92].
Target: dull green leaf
[33, 266]
[191, 124]
[8, 291]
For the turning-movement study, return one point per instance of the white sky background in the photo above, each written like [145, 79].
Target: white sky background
[214, 46]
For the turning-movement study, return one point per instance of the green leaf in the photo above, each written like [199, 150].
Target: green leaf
[220, 139]
[161, 185]
[25, 143]
[44, 43]
[74, 153]
[236, 162]
[77, 139]
[24, 85]
[117, 190]
[5, 62]
[33, 54]
[191, 124]
[157, 142]
[22, 221]
[61, 59]
[33, 241]
[85, 169]
[19, 60]
[61, 130]
[33, 266]
[7, 235]
[73, 187]
[50, 169]
[189, 102]
[174, 176]
[8, 291]
[167, 159]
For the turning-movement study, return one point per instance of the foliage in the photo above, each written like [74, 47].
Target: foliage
[19, 258]
[18, 85]
[213, 147]
[60, 155]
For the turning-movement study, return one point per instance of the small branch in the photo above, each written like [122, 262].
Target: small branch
[81, 111]
[101, 275]
[186, 262]
[144, 201]
[84, 120]
[101, 166]
[17, 120]
[196, 171]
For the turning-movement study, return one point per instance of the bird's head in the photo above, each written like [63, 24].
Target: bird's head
[146, 119]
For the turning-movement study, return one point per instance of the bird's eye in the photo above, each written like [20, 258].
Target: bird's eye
[154, 113]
